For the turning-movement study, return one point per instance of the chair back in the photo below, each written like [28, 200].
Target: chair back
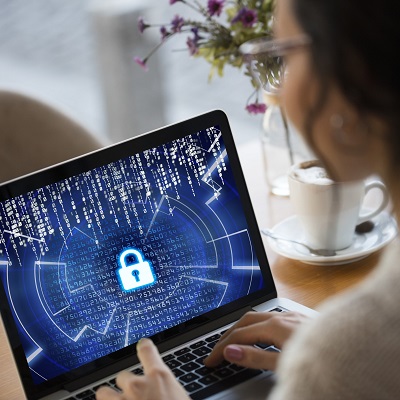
[35, 135]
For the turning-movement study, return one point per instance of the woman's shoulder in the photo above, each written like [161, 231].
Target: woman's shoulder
[372, 305]
[379, 289]
[351, 350]
[378, 293]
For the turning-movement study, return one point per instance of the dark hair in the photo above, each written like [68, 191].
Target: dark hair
[354, 45]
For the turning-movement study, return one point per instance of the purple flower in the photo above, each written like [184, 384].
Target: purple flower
[215, 7]
[141, 62]
[195, 31]
[164, 33]
[177, 24]
[246, 16]
[142, 25]
[256, 108]
[192, 46]
[173, 1]
[193, 42]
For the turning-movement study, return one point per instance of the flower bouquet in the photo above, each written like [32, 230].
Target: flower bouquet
[222, 27]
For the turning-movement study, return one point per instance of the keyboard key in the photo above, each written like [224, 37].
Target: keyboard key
[200, 360]
[204, 371]
[173, 363]
[190, 377]
[186, 358]
[202, 351]
[190, 366]
[178, 372]
[191, 387]
[197, 344]
[223, 372]
[137, 371]
[182, 351]
[212, 344]
[236, 368]
[168, 357]
[224, 364]
[213, 338]
[208, 380]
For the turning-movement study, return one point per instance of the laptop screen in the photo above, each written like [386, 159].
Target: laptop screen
[130, 248]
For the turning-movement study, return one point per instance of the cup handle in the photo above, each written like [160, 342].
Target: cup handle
[385, 200]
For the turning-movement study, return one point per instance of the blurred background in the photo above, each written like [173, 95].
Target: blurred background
[78, 55]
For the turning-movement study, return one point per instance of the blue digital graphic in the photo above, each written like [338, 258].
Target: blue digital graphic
[176, 205]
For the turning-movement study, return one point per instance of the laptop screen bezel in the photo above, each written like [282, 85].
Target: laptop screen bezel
[107, 155]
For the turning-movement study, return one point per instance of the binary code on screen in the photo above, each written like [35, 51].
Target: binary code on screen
[176, 204]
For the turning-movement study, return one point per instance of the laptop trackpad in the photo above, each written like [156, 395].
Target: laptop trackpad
[253, 389]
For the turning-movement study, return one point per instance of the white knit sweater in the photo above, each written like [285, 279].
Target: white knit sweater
[352, 350]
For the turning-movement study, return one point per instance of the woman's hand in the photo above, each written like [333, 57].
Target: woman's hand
[158, 381]
[236, 345]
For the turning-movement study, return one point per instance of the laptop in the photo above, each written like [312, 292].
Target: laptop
[151, 237]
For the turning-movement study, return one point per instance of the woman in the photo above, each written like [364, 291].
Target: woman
[342, 92]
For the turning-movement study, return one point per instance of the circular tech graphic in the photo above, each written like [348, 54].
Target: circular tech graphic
[126, 251]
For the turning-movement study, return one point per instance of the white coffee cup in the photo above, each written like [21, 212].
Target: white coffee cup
[329, 211]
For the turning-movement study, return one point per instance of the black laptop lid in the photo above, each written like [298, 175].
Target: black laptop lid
[151, 237]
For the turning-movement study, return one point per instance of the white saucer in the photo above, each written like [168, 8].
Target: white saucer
[384, 231]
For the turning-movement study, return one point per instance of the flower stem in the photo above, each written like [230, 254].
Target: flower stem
[155, 48]
[198, 8]
[254, 93]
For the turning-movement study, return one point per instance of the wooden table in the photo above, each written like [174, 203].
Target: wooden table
[307, 284]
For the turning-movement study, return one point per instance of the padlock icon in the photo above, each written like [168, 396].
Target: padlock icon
[134, 275]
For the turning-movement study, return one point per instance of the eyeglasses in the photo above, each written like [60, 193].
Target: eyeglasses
[265, 59]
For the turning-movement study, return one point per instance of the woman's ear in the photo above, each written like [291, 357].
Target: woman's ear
[349, 132]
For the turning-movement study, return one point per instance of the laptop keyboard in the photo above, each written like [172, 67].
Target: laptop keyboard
[188, 367]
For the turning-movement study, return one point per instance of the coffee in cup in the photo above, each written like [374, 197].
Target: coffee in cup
[329, 211]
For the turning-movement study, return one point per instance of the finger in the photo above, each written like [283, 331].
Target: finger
[240, 335]
[273, 331]
[106, 393]
[250, 318]
[149, 356]
[130, 383]
[251, 357]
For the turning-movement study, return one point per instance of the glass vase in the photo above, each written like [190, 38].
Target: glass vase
[282, 146]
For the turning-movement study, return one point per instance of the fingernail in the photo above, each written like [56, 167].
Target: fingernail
[139, 343]
[233, 353]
